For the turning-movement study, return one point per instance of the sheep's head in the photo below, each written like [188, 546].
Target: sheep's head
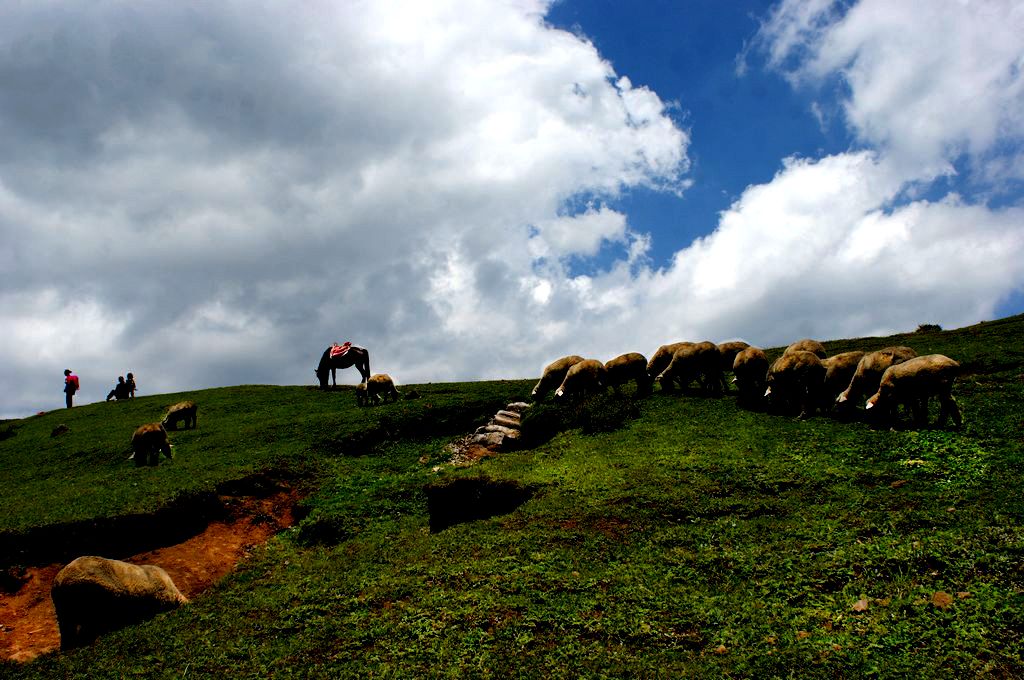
[873, 401]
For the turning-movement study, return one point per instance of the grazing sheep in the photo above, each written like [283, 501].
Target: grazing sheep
[807, 345]
[839, 370]
[626, 367]
[661, 359]
[749, 370]
[371, 390]
[94, 595]
[728, 352]
[582, 377]
[183, 411]
[912, 383]
[553, 375]
[147, 443]
[795, 380]
[869, 372]
[694, 361]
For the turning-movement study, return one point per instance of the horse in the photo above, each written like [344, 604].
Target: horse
[355, 356]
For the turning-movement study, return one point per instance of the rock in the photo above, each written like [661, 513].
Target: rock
[506, 422]
[518, 406]
[507, 431]
[491, 440]
[510, 415]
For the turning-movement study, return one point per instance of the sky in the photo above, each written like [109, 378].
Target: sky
[209, 194]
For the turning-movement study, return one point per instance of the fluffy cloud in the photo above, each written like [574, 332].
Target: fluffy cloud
[210, 194]
[927, 80]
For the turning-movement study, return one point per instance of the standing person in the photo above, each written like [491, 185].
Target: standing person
[131, 385]
[71, 385]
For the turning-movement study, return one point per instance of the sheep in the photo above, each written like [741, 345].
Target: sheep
[554, 374]
[728, 352]
[147, 443]
[869, 372]
[371, 390]
[661, 359]
[626, 367]
[94, 595]
[694, 360]
[749, 370]
[807, 345]
[582, 377]
[912, 383]
[183, 411]
[796, 379]
[839, 370]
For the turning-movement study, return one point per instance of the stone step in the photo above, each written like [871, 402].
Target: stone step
[511, 415]
[518, 406]
[505, 422]
[491, 440]
[507, 431]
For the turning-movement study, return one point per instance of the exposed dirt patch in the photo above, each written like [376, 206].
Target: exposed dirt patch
[467, 499]
[28, 624]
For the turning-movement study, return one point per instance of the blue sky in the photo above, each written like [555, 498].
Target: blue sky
[209, 194]
[742, 124]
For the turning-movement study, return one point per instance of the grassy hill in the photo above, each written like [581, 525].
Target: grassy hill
[696, 540]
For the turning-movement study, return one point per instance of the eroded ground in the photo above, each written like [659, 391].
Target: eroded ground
[28, 625]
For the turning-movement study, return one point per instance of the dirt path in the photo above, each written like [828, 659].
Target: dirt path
[28, 625]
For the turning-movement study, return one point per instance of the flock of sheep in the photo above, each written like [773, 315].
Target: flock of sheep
[150, 439]
[94, 594]
[803, 380]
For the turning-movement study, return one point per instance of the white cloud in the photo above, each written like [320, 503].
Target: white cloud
[191, 193]
[187, 186]
[927, 79]
[580, 234]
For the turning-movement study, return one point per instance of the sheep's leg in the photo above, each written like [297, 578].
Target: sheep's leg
[949, 408]
[921, 411]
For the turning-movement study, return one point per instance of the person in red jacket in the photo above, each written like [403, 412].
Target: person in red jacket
[70, 385]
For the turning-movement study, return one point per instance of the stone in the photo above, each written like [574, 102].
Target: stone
[506, 422]
[491, 440]
[510, 432]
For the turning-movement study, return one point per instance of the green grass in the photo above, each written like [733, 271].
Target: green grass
[696, 540]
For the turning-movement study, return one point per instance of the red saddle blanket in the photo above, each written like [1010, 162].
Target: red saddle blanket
[340, 350]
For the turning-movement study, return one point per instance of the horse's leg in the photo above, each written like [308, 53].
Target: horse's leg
[334, 375]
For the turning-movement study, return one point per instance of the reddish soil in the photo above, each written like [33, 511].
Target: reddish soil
[28, 625]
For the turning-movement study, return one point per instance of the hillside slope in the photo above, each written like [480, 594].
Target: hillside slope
[697, 540]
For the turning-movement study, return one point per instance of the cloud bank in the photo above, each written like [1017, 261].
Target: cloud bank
[210, 194]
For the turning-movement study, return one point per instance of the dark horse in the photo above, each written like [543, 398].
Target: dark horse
[355, 356]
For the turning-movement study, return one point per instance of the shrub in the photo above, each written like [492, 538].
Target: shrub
[541, 423]
[322, 528]
[606, 413]
[598, 413]
[929, 328]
